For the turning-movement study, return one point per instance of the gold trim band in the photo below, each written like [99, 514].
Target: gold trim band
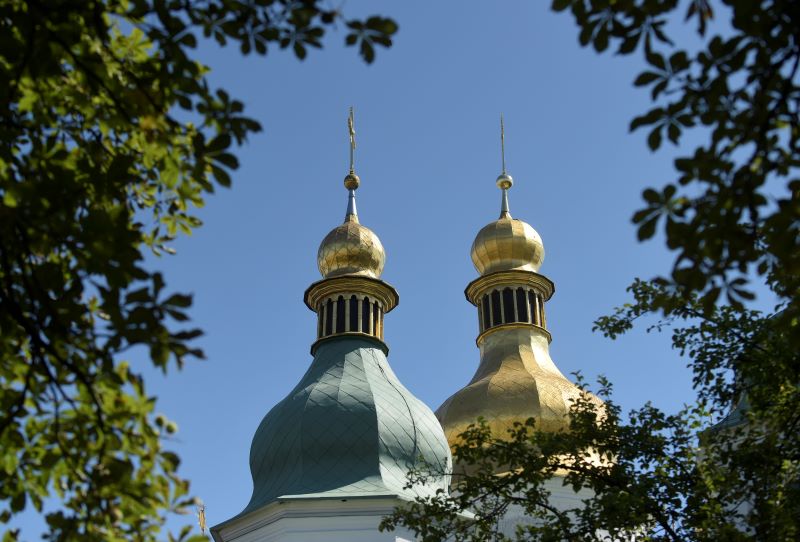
[543, 285]
[374, 288]
[512, 325]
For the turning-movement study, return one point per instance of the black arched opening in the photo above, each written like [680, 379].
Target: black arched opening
[365, 316]
[340, 315]
[508, 306]
[353, 313]
[522, 305]
[487, 321]
[496, 316]
[329, 317]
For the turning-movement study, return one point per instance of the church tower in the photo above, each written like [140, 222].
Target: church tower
[516, 378]
[331, 459]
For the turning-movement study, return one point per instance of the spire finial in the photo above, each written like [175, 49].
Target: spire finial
[504, 181]
[351, 180]
[503, 142]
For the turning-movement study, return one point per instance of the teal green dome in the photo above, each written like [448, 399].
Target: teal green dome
[348, 429]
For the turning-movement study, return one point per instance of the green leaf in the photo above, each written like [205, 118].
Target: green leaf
[654, 139]
[647, 229]
[601, 41]
[219, 143]
[560, 5]
[179, 300]
[652, 116]
[221, 176]
[656, 59]
[227, 159]
[673, 132]
[10, 198]
[17, 502]
[646, 77]
[651, 196]
[367, 51]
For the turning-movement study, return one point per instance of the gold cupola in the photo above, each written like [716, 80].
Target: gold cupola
[351, 249]
[351, 299]
[516, 378]
[507, 243]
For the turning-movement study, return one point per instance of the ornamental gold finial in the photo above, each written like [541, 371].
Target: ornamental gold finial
[201, 517]
[351, 180]
[504, 181]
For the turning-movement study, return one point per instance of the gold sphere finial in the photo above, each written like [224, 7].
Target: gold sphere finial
[504, 181]
[352, 181]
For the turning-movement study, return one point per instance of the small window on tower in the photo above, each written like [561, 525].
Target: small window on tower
[487, 322]
[496, 316]
[522, 305]
[365, 315]
[508, 306]
[353, 313]
[375, 318]
[340, 315]
[329, 317]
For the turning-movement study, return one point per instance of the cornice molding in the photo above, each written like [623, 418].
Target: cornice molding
[478, 287]
[513, 325]
[352, 284]
[351, 335]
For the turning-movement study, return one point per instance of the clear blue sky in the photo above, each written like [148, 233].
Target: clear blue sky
[428, 154]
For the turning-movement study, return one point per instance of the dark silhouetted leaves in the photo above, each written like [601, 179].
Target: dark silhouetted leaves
[731, 217]
[96, 168]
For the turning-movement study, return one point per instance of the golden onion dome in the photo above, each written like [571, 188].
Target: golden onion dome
[351, 249]
[507, 244]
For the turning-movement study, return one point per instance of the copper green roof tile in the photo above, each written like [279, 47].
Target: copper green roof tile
[348, 429]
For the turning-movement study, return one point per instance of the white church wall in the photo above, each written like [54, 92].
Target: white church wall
[329, 520]
[562, 498]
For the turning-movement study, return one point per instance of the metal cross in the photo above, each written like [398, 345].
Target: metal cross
[352, 131]
[503, 143]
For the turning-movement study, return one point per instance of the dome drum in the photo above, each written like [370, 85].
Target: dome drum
[509, 306]
[349, 313]
[350, 305]
[510, 298]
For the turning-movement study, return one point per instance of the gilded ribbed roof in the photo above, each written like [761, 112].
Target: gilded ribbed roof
[351, 249]
[516, 380]
[507, 244]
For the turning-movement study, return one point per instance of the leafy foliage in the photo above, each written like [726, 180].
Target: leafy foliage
[109, 136]
[726, 467]
[657, 476]
[733, 214]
